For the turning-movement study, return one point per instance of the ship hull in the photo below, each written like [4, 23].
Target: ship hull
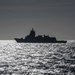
[25, 41]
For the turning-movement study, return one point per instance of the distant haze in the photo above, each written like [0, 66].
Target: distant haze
[49, 17]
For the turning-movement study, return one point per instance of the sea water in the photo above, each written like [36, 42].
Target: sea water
[37, 58]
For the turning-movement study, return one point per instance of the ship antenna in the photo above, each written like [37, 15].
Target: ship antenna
[32, 28]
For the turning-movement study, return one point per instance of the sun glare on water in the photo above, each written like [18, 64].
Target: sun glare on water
[36, 59]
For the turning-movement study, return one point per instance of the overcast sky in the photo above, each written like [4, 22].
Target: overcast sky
[50, 17]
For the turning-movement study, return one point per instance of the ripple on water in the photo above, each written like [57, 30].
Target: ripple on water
[36, 59]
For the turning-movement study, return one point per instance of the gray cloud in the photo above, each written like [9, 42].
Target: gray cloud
[33, 2]
[36, 4]
[53, 17]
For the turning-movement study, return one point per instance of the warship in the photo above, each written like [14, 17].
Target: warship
[32, 38]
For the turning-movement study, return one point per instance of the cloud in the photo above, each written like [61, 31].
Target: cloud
[37, 6]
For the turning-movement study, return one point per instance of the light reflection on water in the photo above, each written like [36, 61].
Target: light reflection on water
[36, 59]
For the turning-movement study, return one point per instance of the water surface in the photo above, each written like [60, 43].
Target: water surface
[37, 59]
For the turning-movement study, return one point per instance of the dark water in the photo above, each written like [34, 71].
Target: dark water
[37, 59]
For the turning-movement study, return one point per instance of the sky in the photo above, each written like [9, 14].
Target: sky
[55, 18]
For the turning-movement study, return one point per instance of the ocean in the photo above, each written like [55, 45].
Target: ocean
[37, 58]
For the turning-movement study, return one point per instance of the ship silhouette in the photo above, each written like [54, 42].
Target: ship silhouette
[32, 38]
